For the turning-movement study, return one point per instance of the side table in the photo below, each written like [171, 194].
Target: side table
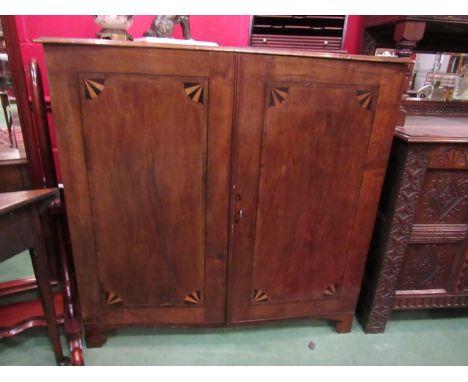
[20, 229]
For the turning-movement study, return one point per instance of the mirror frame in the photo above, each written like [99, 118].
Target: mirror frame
[22, 100]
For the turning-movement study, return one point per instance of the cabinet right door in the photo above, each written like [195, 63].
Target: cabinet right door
[312, 143]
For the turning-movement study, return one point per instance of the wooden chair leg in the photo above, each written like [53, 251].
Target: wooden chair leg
[41, 271]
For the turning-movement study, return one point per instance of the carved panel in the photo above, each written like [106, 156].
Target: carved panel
[400, 229]
[429, 301]
[427, 266]
[444, 199]
[451, 157]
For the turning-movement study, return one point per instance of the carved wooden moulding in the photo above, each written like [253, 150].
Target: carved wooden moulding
[436, 108]
[400, 230]
[449, 157]
[438, 233]
[428, 301]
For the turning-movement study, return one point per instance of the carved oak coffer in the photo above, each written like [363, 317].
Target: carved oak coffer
[419, 258]
[210, 186]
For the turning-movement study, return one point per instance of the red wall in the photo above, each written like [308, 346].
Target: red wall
[225, 30]
[354, 32]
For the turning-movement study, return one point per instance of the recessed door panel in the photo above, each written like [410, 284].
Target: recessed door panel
[147, 171]
[308, 184]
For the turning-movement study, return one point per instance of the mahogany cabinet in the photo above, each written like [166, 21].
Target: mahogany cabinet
[212, 186]
[419, 255]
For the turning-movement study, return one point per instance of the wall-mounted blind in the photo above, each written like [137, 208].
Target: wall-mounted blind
[322, 33]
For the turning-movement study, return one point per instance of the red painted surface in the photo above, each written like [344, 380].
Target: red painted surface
[354, 34]
[225, 30]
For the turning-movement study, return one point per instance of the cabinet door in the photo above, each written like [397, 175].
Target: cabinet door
[311, 153]
[146, 153]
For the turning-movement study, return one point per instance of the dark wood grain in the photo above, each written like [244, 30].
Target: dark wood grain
[315, 141]
[41, 128]
[14, 175]
[12, 200]
[167, 150]
[156, 152]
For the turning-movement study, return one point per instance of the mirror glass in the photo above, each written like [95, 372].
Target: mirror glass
[440, 77]
[11, 139]
[436, 76]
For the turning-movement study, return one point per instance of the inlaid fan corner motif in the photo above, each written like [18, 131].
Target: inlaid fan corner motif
[364, 98]
[260, 296]
[93, 87]
[193, 297]
[113, 298]
[195, 91]
[278, 96]
[331, 290]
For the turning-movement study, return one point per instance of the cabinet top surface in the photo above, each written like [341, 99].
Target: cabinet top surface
[429, 129]
[247, 50]
[10, 201]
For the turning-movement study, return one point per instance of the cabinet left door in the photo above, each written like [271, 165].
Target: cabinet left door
[144, 139]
